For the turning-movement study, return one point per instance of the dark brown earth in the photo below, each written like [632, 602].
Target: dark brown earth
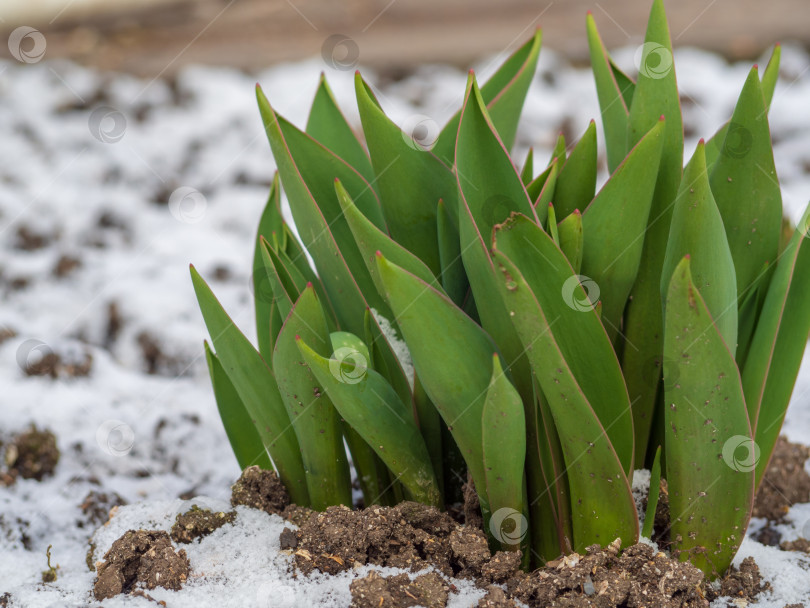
[31, 455]
[496, 598]
[144, 558]
[56, 366]
[472, 506]
[800, 544]
[375, 591]
[196, 523]
[785, 482]
[638, 576]
[410, 536]
[745, 583]
[414, 537]
[260, 490]
[96, 507]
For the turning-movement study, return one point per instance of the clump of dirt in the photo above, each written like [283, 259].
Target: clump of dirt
[410, 536]
[141, 557]
[745, 583]
[6, 333]
[30, 240]
[768, 536]
[157, 360]
[800, 544]
[56, 365]
[785, 482]
[31, 455]
[260, 490]
[638, 576]
[375, 591]
[196, 523]
[496, 598]
[96, 507]
[65, 266]
[501, 568]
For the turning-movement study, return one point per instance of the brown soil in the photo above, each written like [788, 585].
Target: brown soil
[144, 558]
[496, 598]
[31, 455]
[745, 583]
[637, 577]
[30, 240]
[414, 537]
[260, 490]
[375, 591]
[661, 523]
[196, 523]
[785, 482]
[472, 506]
[96, 508]
[800, 544]
[65, 266]
[6, 333]
[409, 535]
[57, 366]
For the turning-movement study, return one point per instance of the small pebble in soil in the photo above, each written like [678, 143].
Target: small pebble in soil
[143, 557]
[197, 523]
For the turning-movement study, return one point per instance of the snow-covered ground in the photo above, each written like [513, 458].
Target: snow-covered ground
[97, 165]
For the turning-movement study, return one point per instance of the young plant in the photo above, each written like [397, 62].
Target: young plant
[466, 318]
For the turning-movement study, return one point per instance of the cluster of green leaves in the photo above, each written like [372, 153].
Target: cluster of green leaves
[557, 337]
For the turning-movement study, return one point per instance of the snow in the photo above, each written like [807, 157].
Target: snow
[177, 172]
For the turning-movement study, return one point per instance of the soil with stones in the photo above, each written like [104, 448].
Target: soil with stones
[140, 558]
[785, 482]
[196, 523]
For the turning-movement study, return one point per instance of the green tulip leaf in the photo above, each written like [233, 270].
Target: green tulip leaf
[710, 487]
[257, 388]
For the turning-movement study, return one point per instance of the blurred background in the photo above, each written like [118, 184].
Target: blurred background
[151, 37]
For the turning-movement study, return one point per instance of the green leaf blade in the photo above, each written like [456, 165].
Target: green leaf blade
[257, 388]
[711, 489]
[369, 404]
[312, 414]
[239, 426]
